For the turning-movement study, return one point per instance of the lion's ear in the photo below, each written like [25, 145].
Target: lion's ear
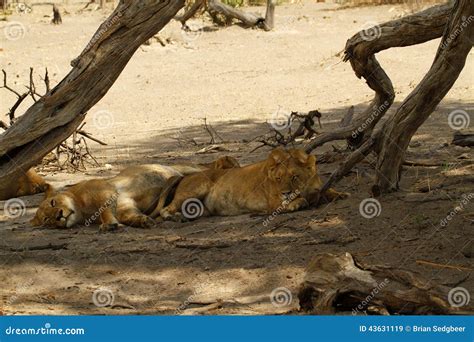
[300, 155]
[49, 191]
[312, 162]
[278, 156]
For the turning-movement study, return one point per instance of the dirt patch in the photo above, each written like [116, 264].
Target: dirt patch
[235, 78]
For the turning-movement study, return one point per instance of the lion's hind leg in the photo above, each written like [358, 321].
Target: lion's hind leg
[128, 214]
[192, 188]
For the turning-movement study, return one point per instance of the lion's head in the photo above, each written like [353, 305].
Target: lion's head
[225, 162]
[293, 170]
[57, 210]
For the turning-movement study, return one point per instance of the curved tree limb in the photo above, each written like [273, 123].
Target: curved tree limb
[374, 143]
[450, 59]
[55, 116]
[360, 49]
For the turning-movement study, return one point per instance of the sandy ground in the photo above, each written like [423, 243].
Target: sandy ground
[237, 79]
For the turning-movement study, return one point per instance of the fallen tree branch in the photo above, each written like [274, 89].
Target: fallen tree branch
[360, 50]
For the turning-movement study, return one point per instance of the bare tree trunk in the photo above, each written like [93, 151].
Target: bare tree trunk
[420, 30]
[269, 22]
[360, 49]
[417, 107]
[56, 115]
[56, 16]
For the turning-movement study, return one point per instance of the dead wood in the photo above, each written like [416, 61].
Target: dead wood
[280, 137]
[437, 265]
[217, 9]
[338, 284]
[422, 101]
[57, 20]
[360, 51]
[54, 247]
[57, 114]
[417, 106]
[200, 245]
[463, 139]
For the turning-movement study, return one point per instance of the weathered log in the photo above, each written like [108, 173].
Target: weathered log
[338, 284]
[463, 139]
[248, 19]
[422, 101]
[360, 49]
[269, 22]
[57, 20]
[57, 114]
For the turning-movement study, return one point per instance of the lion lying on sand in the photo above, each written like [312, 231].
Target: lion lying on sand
[126, 198]
[285, 181]
[29, 183]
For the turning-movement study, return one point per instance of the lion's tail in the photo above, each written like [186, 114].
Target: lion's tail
[166, 194]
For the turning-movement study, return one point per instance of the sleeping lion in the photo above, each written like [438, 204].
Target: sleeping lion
[29, 183]
[285, 181]
[126, 198]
